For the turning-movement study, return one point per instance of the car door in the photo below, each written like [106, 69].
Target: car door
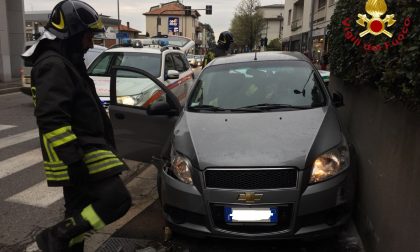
[185, 75]
[141, 132]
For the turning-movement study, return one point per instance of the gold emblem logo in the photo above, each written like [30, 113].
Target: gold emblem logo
[376, 25]
[250, 197]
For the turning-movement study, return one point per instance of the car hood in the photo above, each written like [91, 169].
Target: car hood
[129, 86]
[256, 139]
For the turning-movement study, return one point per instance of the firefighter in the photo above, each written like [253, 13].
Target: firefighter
[222, 48]
[75, 132]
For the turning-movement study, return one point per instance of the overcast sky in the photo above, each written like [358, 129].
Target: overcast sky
[132, 10]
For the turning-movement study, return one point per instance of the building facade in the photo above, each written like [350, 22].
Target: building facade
[171, 19]
[299, 21]
[273, 16]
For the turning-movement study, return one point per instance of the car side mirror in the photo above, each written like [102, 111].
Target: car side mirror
[161, 108]
[173, 74]
[337, 99]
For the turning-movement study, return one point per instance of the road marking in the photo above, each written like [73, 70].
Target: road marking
[20, 162]
[3, 127]
[39, 195]
[19, 138]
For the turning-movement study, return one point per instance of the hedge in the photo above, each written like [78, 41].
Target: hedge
[394, 66]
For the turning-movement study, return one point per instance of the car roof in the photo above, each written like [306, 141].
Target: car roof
[260, 56]
[153, 50]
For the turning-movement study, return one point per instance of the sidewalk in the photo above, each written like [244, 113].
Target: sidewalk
[10, 87]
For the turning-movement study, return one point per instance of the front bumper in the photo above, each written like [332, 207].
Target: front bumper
[319, 210]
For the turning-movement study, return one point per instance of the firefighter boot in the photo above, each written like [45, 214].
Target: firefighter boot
[57, 237]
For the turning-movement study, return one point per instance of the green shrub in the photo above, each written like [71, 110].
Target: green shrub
[394, 71]
[274, 45]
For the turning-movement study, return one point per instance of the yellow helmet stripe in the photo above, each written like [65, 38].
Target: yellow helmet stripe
[59, 26]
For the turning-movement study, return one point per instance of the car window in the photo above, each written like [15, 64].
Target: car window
[271, 82]
[99, 67]
[180, 65]
[169, 63]
[145, 61]
[186, 63]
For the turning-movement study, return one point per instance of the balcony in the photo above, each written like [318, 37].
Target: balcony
[320, 15]
[296, 24]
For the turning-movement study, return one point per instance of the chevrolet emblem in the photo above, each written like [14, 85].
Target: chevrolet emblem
[250, 197]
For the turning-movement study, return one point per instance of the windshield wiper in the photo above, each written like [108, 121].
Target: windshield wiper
[306, 83]
[269, 106]
[214, 108]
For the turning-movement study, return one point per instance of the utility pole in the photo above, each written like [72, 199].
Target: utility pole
[119, 22]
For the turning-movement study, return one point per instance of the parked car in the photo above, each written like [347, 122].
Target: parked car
[191, 60]
[90, 55]
[257, 152]
[167, 63]
[199, 60]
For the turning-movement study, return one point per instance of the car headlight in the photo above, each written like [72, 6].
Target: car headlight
[131, 100]
[331, 163]
[181, 168]
[126, 100]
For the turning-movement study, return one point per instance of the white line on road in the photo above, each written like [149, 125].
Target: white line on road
[20, 162]
[19, 138]
[3, 127]
[39, 195]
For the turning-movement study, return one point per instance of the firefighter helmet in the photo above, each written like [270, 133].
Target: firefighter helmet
[71, 17]
[225, 39]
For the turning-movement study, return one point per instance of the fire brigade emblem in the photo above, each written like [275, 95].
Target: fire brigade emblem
[376, 25]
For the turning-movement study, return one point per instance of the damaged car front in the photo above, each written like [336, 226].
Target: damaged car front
[257, 152]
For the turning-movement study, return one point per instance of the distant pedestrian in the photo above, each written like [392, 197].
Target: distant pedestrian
[324, 61]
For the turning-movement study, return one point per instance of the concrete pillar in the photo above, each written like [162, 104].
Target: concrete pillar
[5, 72]
[12, 38]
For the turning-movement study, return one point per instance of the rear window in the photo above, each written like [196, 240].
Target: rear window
[266, 82]
[145, 61]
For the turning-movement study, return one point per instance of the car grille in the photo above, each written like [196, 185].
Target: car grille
[251, 178]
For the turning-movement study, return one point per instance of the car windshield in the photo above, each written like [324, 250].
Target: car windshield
[265, 85]
[146, 61]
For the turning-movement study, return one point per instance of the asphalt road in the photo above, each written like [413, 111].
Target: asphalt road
[26, 206]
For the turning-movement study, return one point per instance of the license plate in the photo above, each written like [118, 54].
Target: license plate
[251, 215]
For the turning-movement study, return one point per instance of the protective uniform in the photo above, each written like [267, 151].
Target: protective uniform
[76, 135]
[223, 45]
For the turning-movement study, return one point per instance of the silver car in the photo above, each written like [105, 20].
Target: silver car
[256, 153]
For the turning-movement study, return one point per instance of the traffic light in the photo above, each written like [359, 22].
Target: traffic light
[209, 9]
[187, 10]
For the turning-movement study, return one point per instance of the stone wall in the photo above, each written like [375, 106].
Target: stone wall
[386, 137]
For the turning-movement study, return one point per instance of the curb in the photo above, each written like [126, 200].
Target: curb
[9, 90]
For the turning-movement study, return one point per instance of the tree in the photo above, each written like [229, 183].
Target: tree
[274, 45]
[247, 23]
[209, 35]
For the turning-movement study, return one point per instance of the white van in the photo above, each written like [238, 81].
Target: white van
[90, 56]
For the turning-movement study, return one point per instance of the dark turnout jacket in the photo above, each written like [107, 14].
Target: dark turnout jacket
[73, 125]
